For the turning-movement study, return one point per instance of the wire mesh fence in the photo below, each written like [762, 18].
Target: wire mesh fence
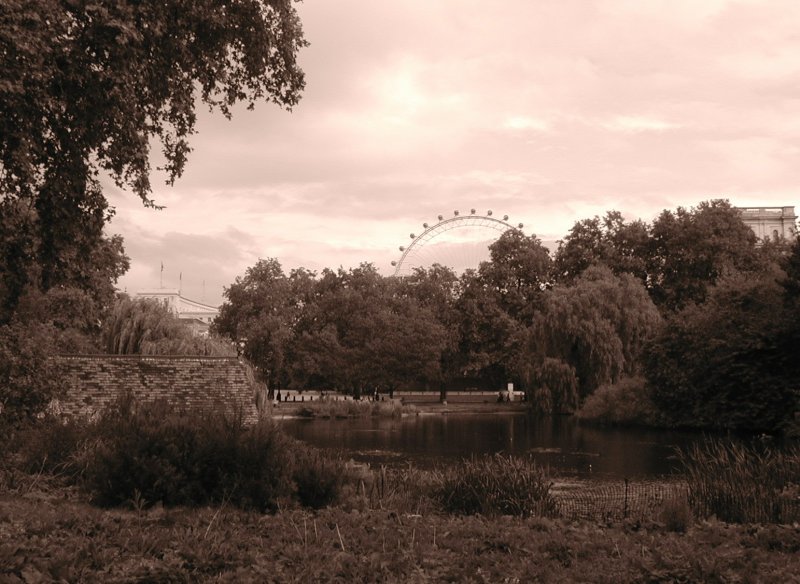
[629, 499]
[616, 500]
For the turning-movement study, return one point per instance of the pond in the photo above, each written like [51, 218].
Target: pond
[561, 443]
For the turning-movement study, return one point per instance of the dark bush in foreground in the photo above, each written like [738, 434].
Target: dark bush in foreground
[318, 478]
[742, 484]
[155, 453]
[496, 485]
[53, 446]
[27, 383]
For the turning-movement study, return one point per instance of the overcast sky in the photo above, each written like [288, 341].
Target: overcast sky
[549, 111]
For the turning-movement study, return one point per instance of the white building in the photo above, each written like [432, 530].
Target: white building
[196, 315]
[770, 222]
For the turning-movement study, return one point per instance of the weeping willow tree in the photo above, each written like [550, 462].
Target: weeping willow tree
[147, 327]
[556, 387]
[585, 335]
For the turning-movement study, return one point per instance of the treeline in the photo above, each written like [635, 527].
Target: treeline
[685, 321]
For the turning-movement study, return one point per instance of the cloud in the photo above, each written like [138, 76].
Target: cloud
[638, 124]
[549, 112]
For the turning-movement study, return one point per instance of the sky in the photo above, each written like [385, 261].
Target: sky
[548, 111]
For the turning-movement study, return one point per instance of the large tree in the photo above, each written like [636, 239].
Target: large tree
[587, 334]
[259, 315]
[731, 362]
[518, 273]
[363, 331]
[86, 86]
[691, 249]
[610, 241]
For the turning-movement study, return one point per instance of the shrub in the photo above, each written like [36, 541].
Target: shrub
[742, 484]
[26, 381]
[624, 402]
[157, 453]
[676, 514]
[52, 445]
[325, 408]
[318, 478]
[496, 485]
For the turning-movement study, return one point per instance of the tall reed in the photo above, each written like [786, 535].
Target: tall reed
[496, 485]
[743, 484]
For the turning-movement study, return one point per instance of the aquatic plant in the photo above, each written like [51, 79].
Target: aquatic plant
[743, 484]
[496, 485]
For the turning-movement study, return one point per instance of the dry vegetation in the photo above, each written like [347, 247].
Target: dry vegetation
[174, 518]
[51, 539]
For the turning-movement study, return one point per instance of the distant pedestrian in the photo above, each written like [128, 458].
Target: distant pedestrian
[278, 397]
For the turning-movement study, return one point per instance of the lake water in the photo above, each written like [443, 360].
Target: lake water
[561, 443]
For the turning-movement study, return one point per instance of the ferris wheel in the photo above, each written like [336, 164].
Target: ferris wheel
[459, 242]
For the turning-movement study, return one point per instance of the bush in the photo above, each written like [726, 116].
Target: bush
[742, 484]
[318, 478]
[157, 453]
[496, 485]
[26, 381]
[676, 514]
[625, 402]
[328, 408]
[52, 445]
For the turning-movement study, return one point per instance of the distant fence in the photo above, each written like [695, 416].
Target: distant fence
[458, 396]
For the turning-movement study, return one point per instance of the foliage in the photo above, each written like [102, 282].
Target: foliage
[678, 257]
[318, 478]
[676, 514]
[156, 453]
[743, 484]
[609, 241]
[496, 485]
[64, 540]
[84, 88]
[27, 383]
[518, 272]
[86, 85]
[329, 408]
[690, 250]
[731, 361]
[260, 312]
[352, 330]
[144, 326]
[36, 258]
[790, 263]
[596, 329]
[625, 402]
[487, 334]
[52, 445]
[556, 387]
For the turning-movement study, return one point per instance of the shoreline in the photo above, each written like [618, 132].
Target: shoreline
[293, 409]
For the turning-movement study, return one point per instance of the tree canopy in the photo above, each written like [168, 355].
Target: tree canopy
[730, 362]
[87, 85]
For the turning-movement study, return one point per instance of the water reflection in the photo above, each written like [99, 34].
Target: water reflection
[559, 442]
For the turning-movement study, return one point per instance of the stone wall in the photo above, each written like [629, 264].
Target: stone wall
[92, 382]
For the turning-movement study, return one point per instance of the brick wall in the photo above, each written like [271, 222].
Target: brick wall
[92, 382]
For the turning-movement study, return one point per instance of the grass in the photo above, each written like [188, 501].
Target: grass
[743, 484]
[496, 485]
[46, 538]
[496, 518]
